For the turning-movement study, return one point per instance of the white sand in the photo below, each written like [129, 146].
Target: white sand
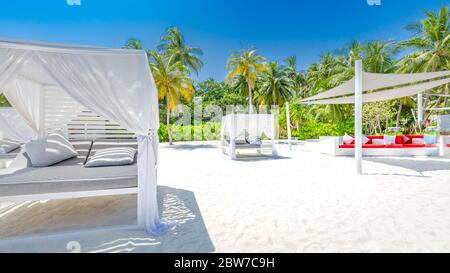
[301, 202]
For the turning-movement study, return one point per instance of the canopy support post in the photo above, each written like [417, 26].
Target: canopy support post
[358, 115]
[288, 125]
[419, 108]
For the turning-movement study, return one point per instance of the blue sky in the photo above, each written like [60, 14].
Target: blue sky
[277, 28]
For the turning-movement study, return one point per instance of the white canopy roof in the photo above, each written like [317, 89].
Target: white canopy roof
[114, 83]
[389, 94]
[375, 81]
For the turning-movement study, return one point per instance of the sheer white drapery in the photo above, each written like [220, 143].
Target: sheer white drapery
[26, 98]
[13, 127]
[248, 125]
[115, 84]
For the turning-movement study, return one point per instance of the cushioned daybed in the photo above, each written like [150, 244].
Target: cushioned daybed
[335, 146]
[70, 175]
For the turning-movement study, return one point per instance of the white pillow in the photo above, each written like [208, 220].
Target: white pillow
[7, 146]
[377, 141]
[365, 140]
[348, 139]
[49, 150]
[117, 156]
[389, 140]
[418, 141]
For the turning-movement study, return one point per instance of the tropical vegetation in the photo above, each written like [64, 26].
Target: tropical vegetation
[255, 81]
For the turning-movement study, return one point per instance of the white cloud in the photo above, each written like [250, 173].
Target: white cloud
[73, 2]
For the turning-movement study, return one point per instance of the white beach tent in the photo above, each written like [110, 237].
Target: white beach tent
[13, 127]
[114, 83]
[253, 125]
[378, 87]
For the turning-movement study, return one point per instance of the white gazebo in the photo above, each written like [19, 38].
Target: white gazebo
[253, 125]
[372, 87]
[116, 84]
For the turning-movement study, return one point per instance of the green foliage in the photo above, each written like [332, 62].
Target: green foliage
[206, 131]
[315, 129]
[3, 101]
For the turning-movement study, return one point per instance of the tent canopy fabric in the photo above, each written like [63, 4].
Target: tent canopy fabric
[116, 84]
[376, 81]
[389, 94]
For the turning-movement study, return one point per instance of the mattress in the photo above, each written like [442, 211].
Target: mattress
[70, 175]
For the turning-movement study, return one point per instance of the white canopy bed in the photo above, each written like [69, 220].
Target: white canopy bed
[114, 83]
[371, 87]
[245, 132]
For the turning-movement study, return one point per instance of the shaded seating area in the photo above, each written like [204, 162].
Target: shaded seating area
[409, 145]
[367, 87]
[49, 85]
[245, 132]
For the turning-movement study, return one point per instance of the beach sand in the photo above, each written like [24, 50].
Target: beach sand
[302, 201]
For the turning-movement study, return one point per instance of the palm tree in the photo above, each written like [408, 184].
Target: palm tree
[133, 44]
[275, 86]
[249, 65]
[431, 43]
[172, 80]
[379, 57]
[173, 43]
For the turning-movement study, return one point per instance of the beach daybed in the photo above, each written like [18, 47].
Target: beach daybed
[245, 131]
[69, 178]
[49, 84]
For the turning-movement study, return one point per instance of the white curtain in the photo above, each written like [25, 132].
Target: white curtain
[11, 61]
[255, 125]
[118, 87]
[12, 126]
[26, 97]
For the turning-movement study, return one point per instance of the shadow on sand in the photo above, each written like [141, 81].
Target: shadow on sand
[189, 235]
[255, 158]
[416, 165]
[190, 147]
[176, 205]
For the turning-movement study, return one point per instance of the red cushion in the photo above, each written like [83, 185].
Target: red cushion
[347, 146]
[415, 136]
[399, 140]
[394, 146]
[375, 137]
[448, 145]
[414, 145]
[373, 146]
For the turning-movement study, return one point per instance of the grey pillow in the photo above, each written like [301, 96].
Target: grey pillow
[49, 150]
[117, 156]
[7, 146]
